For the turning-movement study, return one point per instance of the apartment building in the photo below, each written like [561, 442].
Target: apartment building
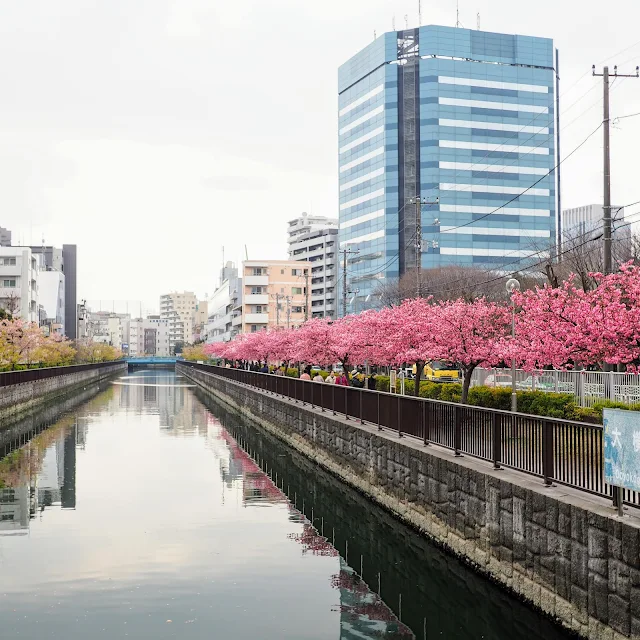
[275, 294]
[314, 239]
[225, 307]
[19, 269]
[149, 337]
[181, 310]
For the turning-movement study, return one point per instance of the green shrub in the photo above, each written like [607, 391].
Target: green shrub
[542, 403]
[490, 397]
[292, 372]
[450, 392]
[382, 383]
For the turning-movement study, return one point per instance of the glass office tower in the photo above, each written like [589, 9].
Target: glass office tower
[463, 119]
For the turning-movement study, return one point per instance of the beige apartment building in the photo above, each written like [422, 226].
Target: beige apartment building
[182, 310]
[275, 293]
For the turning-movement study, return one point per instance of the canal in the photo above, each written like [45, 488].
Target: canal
[149, 511]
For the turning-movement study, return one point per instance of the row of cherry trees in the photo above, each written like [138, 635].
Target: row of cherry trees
[24, 343]
[560, 327]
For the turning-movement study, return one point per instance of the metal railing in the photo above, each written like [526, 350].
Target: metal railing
[9, 378]
[555, 450]
[587, 387]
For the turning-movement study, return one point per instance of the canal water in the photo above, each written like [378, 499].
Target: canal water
[148, 511]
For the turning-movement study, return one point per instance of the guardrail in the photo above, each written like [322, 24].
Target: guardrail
[556, 450]
[9, 378]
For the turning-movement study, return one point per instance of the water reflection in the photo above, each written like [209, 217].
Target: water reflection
[151, 516]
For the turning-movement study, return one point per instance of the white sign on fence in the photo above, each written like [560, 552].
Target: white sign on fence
[622, 448]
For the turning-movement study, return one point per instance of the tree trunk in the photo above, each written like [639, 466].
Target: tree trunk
[466, 383]
[419, 367]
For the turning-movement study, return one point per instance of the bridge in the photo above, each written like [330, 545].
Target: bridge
[160, 362]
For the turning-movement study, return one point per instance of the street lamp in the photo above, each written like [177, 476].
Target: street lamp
[512, 286]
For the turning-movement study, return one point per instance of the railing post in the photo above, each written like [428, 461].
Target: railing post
[346, 402]
[423, 419]
[333, 398]
[398, 400]
[496, 424]
[322, 398]
[361, 394]
[547, 452]
[457, 433]
[379, 423]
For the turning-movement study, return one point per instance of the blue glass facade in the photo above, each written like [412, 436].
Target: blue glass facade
[464, 116]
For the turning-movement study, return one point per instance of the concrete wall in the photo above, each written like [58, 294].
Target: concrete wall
[563, 551]
[16, 398]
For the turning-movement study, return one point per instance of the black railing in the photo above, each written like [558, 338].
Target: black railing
[556, 450]
[9, 378]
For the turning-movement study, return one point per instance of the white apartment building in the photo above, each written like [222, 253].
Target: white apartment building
[314, 239]
[580, 221]
[51, 289]
[107, 327]
[149, 337]
[180, 310]
[19, 270]
[225, 307]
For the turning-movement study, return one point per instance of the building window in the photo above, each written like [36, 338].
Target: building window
[296, 272]
[257, 271]
[256, 290]
[296, 291]
[254, 328]
[8, 262]
[9, 284]
[296, 309]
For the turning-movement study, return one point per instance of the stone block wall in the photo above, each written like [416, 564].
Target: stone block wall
[16, 398]
[565, 552]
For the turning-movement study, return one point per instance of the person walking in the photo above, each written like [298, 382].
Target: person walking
[342, 380]
[307, 373]
[331, 378]
[280, 371]
[318, 377]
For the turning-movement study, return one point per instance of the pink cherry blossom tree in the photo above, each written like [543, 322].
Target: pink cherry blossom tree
[470, 334]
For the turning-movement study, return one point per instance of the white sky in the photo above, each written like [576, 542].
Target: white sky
[153, 132]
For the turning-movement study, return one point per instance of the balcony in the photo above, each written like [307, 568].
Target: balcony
[256, 318]
[256, 281]
[236, 321]
[256, 298]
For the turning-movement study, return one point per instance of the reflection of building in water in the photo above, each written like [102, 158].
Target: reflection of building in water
[160, 392]
[363, 614]
[41, 474]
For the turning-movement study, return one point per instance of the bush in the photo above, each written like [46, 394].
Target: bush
[292, 372]
[541, 403]
[490, 397]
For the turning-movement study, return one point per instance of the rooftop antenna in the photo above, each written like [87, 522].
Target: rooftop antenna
[457, 13]
[246, 252]
[406, 21]
[419, 13]
[374, 34]
[478, 21]
[393, 23]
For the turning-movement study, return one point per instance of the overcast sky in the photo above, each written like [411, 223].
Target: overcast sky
[152, 133]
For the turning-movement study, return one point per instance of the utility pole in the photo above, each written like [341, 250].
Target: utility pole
[606, 209]
[288, 299]
[277, 295]
[345, 253]
[419, 202]
[306, 294]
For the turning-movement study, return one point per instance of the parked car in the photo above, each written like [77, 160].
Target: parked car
[544, 383]
[498, 380]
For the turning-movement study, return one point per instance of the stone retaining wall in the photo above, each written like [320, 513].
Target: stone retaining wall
[564, 551]
[17, 398]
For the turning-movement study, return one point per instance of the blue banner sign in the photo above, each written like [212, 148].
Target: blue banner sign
[622, 448]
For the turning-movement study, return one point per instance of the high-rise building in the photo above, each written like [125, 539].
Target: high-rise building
[275, 294]
[183, 311]
[106, 327]
[314, 239]
[588, 219]
[225, 307]
[19, 269]
[462, 119]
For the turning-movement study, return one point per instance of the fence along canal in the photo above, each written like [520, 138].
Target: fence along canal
[555, 450]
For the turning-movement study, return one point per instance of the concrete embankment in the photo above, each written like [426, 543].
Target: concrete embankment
[25, 395]
[564, 551]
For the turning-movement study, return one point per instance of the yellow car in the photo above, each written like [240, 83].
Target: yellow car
[436, 371]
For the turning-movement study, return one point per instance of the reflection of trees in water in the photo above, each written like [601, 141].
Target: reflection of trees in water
[23, 464]
[312, 542]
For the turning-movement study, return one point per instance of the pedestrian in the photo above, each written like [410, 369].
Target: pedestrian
[331, 378]
[372, 382]
[318, 377]
[342, 379]
[307, 373]
[280, 371]
[265, 368]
